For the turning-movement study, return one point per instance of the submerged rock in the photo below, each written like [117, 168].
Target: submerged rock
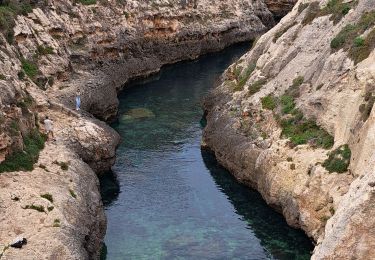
[138, 113]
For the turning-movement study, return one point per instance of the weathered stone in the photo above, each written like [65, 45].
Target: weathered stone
[334, 90]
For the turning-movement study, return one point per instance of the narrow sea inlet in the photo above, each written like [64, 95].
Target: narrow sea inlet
[167, 199]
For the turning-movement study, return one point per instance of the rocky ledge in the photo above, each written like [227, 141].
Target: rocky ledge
[294, 119]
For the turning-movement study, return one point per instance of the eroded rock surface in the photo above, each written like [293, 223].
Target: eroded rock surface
[332, 88]
[59, 47]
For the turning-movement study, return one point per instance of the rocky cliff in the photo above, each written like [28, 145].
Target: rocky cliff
[51, 49]
[294, 119]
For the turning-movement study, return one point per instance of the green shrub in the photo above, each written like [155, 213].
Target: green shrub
[30, 68]
[348, 32]
[44, 50]
[56, 222]
[256, 86]
[242, 76]
[86, 2]
[2, 77]
[338, 160]
[336, 8]
[366, 107]
[39, 208]
[349, 38]
[21, 75]
[47, 196]
[305, 131]
[298, 81]
[292, 166]
[269, 102]
[287, 104]
[246, 74]
[63, 165]
[360, 52]
[24, 160]
[359, 42]
[297, 128]
[50, 208]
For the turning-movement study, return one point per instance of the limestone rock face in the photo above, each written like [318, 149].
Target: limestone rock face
[332, 208]
[97, 48]
[60, 47]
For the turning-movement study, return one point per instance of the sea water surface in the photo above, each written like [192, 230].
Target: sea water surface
[167, 199]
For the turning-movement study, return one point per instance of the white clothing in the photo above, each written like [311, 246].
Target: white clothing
[48, 125]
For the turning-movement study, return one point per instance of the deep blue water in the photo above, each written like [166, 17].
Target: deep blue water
[167, 199]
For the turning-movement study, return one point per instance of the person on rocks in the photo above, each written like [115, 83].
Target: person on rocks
[78, 100]
[48, 126]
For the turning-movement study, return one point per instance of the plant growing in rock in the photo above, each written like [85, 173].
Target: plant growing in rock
[366, 107]
[44, 50]
[240, 76]
[72, 193]
[47, 196]
[29, 68]
[269, 102]
[86, 2]
[56, 222]
[350, 38]
[295, 126]
[338, 160]
[38, 208]
[337, 9]
[256, 86]
[63, 165]
[24, 160]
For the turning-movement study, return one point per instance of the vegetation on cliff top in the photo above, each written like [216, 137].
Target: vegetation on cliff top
[24, 160]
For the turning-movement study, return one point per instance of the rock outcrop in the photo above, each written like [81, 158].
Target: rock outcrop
[97, 48]
[291, 113]
[51, 49]
[280, 7]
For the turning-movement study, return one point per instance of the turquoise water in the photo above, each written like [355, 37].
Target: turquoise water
[167, 199]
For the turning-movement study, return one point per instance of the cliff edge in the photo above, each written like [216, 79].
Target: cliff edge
[294, 119]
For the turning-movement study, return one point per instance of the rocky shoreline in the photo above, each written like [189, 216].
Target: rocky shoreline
[59, 47]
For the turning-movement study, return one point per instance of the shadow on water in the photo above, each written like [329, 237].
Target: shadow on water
[270, 227]
[168, 200]
[109, 188]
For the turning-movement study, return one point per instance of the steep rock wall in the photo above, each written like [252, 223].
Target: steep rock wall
[331, 87]
[59, 47]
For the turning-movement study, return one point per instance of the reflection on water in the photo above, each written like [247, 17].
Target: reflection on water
[167, 200]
